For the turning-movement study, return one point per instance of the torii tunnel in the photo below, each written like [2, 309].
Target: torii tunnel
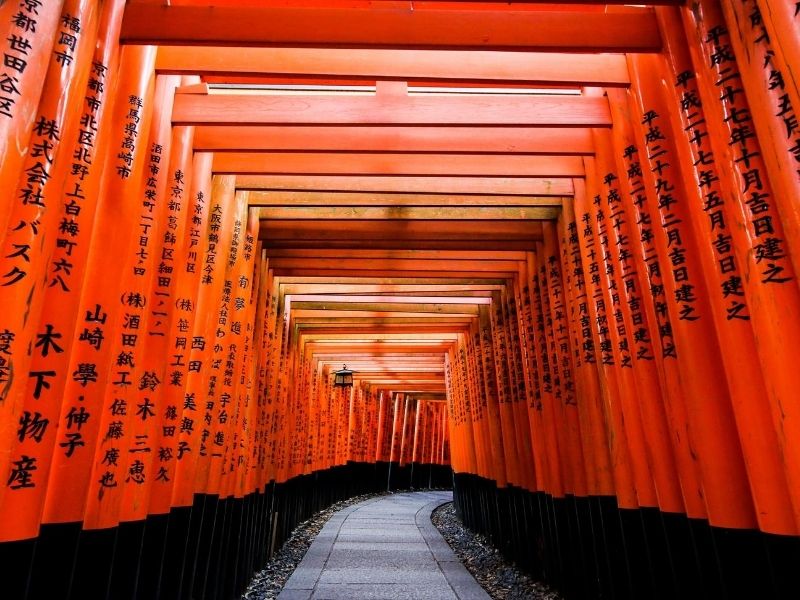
[555, 243]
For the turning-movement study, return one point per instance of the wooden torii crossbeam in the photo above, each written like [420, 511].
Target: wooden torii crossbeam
[522, 186]
[545, 68]
[390, 109]
[385, 138]
[626, 30]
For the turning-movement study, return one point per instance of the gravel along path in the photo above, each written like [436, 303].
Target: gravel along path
[268, 583]
[501, 579]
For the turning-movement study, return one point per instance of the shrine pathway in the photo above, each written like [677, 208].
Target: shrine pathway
[383, 548]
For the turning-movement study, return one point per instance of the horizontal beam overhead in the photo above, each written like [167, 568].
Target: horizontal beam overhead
[470, 66]
[431, 213]
[486, 293]
[390, 109]
[386, 318]
[471, 165]
[620, 31]
[429, 363]
[431, 230]
[366, 288]
[407, 243]
[393, 337]
[373, 367]
[367, 329]
[387, 273]
[411, 373]
[344, 138]
[395, 265]
[364, 199]
[408, 387]
[321, 354]
[407, 330]
[426, 360]
[376, 349]
[415, 254]
[439, 185]
[358, 298]
[377, 316]
[389, 281]
[400, 371]
[380, 348]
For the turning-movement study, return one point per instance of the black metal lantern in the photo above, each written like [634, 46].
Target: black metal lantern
[343, 378]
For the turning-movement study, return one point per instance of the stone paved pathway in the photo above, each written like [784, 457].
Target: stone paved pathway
[384, 548]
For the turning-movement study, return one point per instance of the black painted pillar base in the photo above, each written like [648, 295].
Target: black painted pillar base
[590, 548]
[207, 551]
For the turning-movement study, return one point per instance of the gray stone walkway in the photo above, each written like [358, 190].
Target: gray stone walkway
[383, 548]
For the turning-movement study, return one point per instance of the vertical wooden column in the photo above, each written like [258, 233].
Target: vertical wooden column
[490, 389]
[31, 208]
[269, 362]
[147, 457]
[460, 418]
[771, 88]
[564, 448]
[90, 369]
[491, 455]
[184, 265]
[469, 401]
[29, 44]
[781, 18]
[654, 307]
[382, 423]
[456, 413]
[756, 238]
[91, 363]
[33, 403]
[608, 365]
[520, 391]
[548, 461]
[604, 562]
[632, 481]
[592, 428]
[695, 336]
[121, 406]
[525, 341]
[269, 391]
[228, 336]
[723, 269]
[201, 359]
[506, 397]
[192, 403]
[129, 403]
[562, 353]
[683, 303]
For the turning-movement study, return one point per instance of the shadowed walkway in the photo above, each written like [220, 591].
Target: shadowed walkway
[383, 548]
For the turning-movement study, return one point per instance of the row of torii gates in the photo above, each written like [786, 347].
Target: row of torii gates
[556, 243]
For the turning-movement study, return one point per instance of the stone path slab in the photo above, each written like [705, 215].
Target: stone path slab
[385, 548]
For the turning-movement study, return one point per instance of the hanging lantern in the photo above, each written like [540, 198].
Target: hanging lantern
[343, 378]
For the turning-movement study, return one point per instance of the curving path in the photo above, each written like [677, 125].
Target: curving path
[383, 548]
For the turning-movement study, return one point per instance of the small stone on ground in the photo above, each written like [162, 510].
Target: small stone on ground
[268, 583]
[501, 579]
[383, 549]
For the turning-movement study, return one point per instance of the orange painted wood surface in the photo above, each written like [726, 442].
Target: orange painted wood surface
[369, 138]
[389, 109]
[438, 65]
[632, 30]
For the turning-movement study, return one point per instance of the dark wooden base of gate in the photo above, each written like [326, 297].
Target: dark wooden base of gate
[207, 551]
[589, 548]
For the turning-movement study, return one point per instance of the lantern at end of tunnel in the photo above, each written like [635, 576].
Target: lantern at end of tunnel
[343, 378]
